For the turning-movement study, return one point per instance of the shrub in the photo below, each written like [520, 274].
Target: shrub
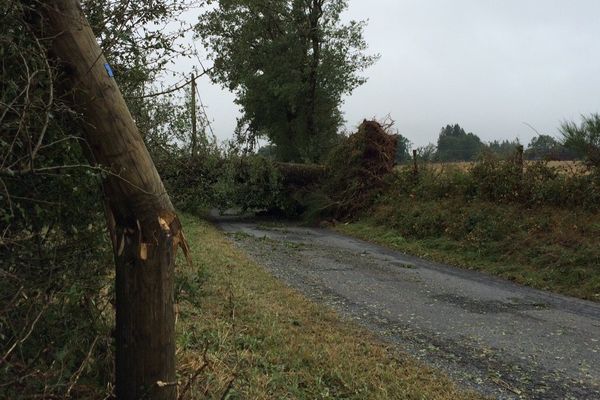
[55, 313]
[192, 182]
[498, 181]
[250, 183]
[584, 139]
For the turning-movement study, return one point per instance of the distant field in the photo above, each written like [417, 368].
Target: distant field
[567, 167]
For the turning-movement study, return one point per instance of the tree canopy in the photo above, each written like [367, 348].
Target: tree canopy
[455, 144]
[546, 147]
[289, 62]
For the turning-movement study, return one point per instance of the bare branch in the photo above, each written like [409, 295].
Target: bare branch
[24, 339]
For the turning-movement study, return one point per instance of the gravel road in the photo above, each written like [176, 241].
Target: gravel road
[501, 339]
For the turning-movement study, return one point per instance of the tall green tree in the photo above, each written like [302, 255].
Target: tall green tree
[289, 62]
[403, 146]
[542, 146]
[546, 147]
[455, 144]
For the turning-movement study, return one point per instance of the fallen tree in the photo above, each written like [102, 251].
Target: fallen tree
[301, 175]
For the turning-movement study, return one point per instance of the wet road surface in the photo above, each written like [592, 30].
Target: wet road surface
[501, 339]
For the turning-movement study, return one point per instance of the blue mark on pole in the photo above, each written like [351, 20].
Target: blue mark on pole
[109, 70]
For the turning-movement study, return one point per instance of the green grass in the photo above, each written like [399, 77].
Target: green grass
[546, 248]
[242, 334]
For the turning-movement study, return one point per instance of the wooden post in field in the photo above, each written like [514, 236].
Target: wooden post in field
[415, 163]
[194, 119]
[144, 226]
[520, 162]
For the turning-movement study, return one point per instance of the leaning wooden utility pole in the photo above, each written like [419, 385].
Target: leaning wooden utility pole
[144, 226]
[194, 119]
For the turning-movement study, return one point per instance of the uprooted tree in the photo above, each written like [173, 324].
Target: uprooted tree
[144, 228]
[356, 171]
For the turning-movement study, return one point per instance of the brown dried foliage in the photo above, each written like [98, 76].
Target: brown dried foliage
[358, 167]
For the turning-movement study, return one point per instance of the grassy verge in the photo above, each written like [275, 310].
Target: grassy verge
[244, 335]
[546, 248]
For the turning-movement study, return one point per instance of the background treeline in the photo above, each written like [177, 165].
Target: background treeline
[455, 145]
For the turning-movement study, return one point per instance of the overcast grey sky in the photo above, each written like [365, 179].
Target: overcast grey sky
[489, 65]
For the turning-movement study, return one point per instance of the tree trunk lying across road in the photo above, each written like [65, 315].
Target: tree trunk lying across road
[301, 174]
[145, 229]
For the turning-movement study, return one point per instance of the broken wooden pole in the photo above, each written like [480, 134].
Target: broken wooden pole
[194, 119]
[145, 227]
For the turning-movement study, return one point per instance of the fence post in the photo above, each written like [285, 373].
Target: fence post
[520, 163]
[415, 164]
